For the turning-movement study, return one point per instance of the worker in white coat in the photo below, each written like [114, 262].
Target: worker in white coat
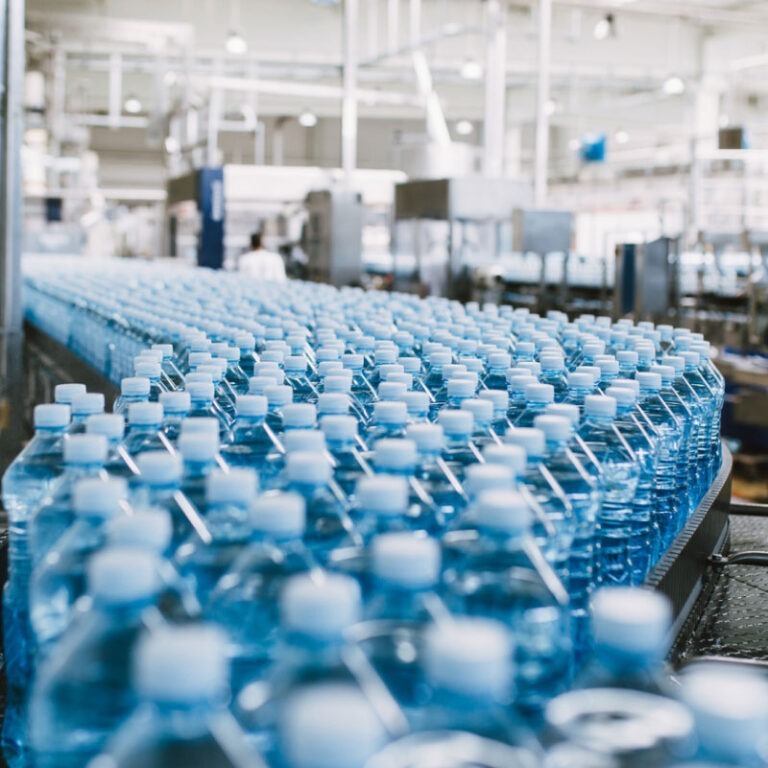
[262, 264]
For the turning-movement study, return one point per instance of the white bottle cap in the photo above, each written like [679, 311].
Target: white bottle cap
[51, 416]
[384, 495]
[632, 384]
[135, 386]
[401, 378]
[511, 457]
[339, 428]
[165, 350]
[245, 341]
[608, 367]
[196, 359]
[279, 514]
[531, 440]
[552, 362]
[307, 467]
[122, 575]
[391, 391]
[182, 664]
[145, 414]
[384, 355]
[636, 621]
[304, 440]
[581, 380]
[390, 412]
[555, 428]
[335, 384]
[299, 416]
[201, 390]
[440, 357]
[394, 454]
[570, 412]
[593, 348]
[540, 393]
[416, 403]
[278, 395]
[87, 404]
[251, 405]
[85, 449]
[150, 529]
[257, 385]
[470, 657]
[100, 497]
[650, 381]
[238, 487]
[198, 376]
[600, 406]
[461, 388]
[159, 467]
[295, 364]
[525, 348]
[624, 396]
[329, 725]
[406, 560]
[205, 424]
[456, 423]
[410, 365]
[385, 371]
[111, 425]
[677, 362]
[499, 398]
[481, 410]
[336, 403]
[627, 357]
[499, 360]
[352, 361]
[147, 368]
[486, 477]
[175, 402]
[64, 394]
[320, 604]
[503, 510]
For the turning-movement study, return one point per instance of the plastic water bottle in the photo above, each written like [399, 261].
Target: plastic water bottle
[199, 452]
[64, 394]
[580, 385]
[707, 438]
[181, 681]
[297, 378]
[620, 475]
[499, 400]
[202, 404]
[234, 374]
[537, 398]
[83, 406]
[251, 438]
[498, 365]
[502, 575]
[553, 372]
[468, 669]
[144, 429]
[328, 523]
[277, 396]
[328, 724]
[344, 445]
[134, 389]
[459, 451]
[176, 407]
[246, 343]
[83, 692]
[84, 456]
[389, 421]
[153, 371]
[228, 496]
[119, 462]
[631, 631]
[483, 417]
[381, 506]
[25, 484]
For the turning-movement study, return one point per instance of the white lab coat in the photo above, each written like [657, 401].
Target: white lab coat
[263, 265]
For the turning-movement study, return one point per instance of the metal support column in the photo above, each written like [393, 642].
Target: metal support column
[541, 168]
[349, 98]
[495, 87]
[11, 129]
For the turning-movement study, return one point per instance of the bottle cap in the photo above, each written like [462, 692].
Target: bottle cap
[279, 514]
[237, 487]
[336, 403]
[278, 395]
[463, 388]
[632, 384]
[111, 425]
[499, 398]
[487, 477]
[667, 373]
[456, 423]
[624, 396]
[304, 440]
[407, 560]
[200, 375]
[135, 386]
[335, 384]
[198, 424]
[391, 391]
[339, 428]
[148, 368]
[531, 440]
[390, 369]
[394, 455]
[100, 497]
[592, 348]
[64, 394]
[175, 402]
[513, 457]
[627, 357]
[385, 355]
[251, 405]
[677, 362]
[636, 621]
[499, 360]
[410, 365]
[196, 359]
[440, 357]
[469, 656]
[182, 664]
[122, 575]
[299, 416]
[329, 725]
[649, 381]
[295, 364]
[503, 510]
[384, 495]
[51, 415]
[581, 380]
[274, 356]
[540, 393]
[390, 412]
[307, 467]
[608, 367]
[320, 604]
[481, 410]
[265, 368]
[245, 341]
[416, 403]
[87, 404]
[352, 361]
[258, 384]
[145, 414]
[85, 449]
[600, 406]
[159, 468]
[692, 359]
[525, 348]
[150, 529]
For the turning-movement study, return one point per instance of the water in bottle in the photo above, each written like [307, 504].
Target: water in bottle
[176, 407]
[144, 431]
[134, 389]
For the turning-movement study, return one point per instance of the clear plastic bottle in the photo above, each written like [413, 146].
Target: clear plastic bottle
[537, 398]
[83, 692]
[389, 421]
[83, 406]
[176, 407]
[297, 378]
[153, 371]
[251, 438]
[145, 422]
[344, 446]
[459, 451]
[199, 452]
[483, 418]
[134, 389]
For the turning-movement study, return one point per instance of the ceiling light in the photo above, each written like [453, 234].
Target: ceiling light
[464, 127]
[673, 86]
[132, 105]
[236, 44]
[307, 119]
[550, 107]
[472, 69]
[621, 137]
[604, 27]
